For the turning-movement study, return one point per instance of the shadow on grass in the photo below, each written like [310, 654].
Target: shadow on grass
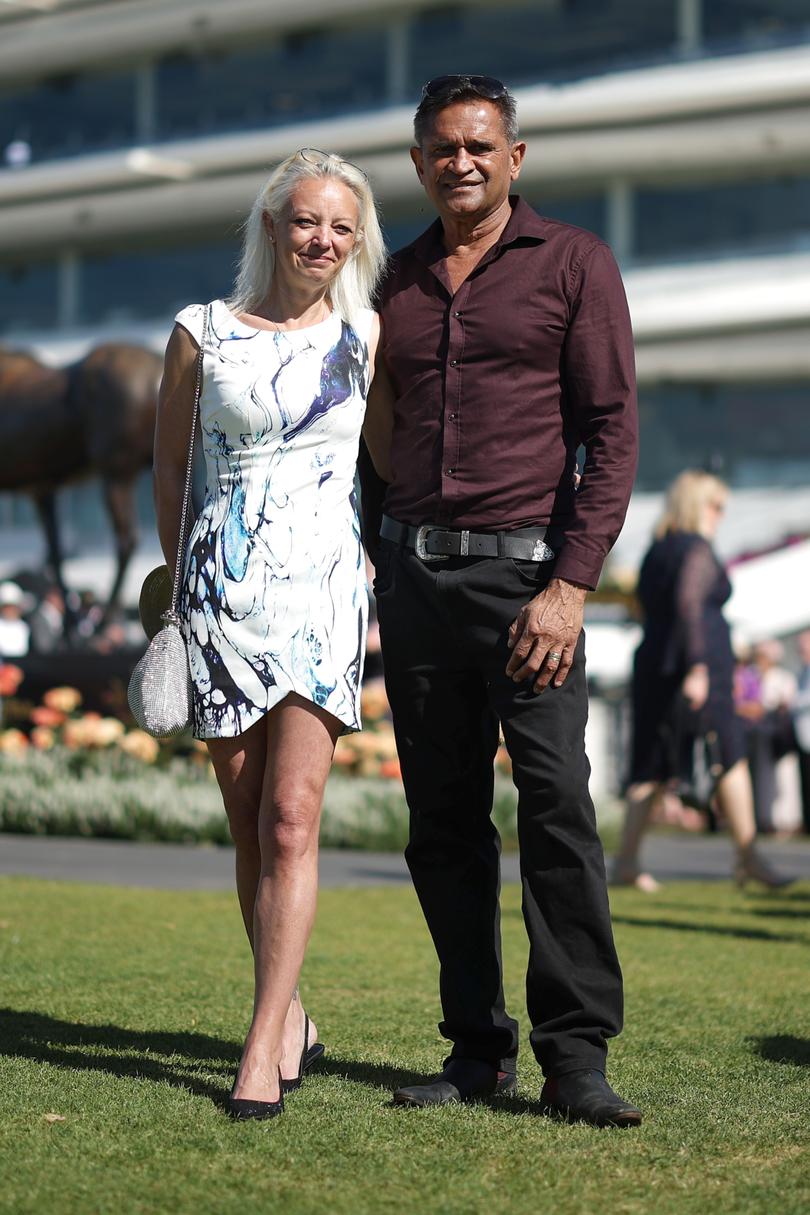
[380, 1075]
[375, 1075]
[782, 913]
[178, 1058]
[170, 1058]
[173, 1058]
[773, 907]
[722, 930]
[654, 903]
[783, 1048]
[790, 896]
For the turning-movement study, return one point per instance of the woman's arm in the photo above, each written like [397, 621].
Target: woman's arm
[379, 420]
[696, 577]
[172, 435]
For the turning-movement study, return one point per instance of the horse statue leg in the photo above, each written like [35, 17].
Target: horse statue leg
[119, 497]
[45, 503]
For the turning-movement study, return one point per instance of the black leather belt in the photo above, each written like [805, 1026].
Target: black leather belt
[434, 543]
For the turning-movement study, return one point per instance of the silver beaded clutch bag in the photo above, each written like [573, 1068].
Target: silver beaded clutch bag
[159, 692]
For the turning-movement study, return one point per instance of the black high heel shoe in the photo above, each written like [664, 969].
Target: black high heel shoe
[243, 1109]
[309, 1055]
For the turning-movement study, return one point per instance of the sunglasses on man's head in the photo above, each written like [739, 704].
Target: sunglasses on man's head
[486, 86]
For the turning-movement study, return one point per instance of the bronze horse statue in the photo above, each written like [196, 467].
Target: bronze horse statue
[94, 418]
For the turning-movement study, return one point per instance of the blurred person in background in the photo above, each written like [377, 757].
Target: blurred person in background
[273, 593]
[15, 634]
[90, 614]
[768, 691]
[112, 637]
[48, 622]
[801, 725]
[508, 342]
[682, 680]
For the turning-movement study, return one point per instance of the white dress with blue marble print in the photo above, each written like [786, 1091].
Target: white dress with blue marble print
[274, 595]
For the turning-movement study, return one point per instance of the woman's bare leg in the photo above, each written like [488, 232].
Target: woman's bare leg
[239, 765]
[640, 800]
[627, 871]
[735, 800]
[300, 746]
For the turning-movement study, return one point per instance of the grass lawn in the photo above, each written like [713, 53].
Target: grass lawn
[123, 1012]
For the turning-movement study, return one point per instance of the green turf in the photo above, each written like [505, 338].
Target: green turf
[123, 1012]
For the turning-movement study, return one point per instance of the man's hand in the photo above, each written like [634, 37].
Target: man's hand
[545, 633]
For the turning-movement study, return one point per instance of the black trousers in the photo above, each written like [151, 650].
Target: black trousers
[444, 636]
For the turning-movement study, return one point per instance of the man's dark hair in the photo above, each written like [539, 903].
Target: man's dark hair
[464, 88]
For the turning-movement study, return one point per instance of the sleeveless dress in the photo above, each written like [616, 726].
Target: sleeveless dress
[274, 597]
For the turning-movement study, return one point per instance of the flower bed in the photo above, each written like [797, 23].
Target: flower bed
[69, 772]
[114, 795]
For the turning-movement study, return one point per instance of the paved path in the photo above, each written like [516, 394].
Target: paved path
[185, 867]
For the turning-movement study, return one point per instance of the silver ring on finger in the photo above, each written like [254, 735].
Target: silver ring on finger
[554, 656]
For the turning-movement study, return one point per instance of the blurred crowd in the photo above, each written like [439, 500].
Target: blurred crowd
[773, 701]
[36, 619]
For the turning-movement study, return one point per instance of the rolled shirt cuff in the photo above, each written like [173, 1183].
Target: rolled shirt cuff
[574, 565]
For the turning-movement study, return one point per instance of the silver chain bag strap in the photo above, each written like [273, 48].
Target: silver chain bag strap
[159, 691]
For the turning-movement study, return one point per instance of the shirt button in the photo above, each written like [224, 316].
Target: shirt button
[451, 472]
[458, 314]
[452, 417]
[454, 362]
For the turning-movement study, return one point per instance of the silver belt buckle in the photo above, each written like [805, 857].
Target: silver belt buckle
[422, 534]
[542, 552]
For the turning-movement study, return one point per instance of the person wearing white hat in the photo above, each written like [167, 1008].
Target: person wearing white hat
[15, 635]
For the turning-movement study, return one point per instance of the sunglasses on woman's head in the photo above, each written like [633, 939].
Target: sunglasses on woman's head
[314, 156]
[485, 86]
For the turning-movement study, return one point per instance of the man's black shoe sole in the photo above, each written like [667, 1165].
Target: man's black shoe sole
[622, 1120]
[503, 1088]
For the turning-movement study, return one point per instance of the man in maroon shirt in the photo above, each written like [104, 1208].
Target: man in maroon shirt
[507, 344]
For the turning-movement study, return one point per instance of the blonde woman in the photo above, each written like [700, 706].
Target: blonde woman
[274, 593]
[684, 668]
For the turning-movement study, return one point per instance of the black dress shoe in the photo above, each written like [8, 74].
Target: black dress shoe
[461, 1080]
[586, 1096]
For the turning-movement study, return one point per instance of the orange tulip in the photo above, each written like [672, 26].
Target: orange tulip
[10, 678]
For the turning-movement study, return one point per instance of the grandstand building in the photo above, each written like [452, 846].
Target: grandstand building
[134, 134]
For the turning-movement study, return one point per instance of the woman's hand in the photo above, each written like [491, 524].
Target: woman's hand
[695, 686]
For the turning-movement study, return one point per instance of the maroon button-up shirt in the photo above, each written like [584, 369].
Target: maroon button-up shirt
[498, 385]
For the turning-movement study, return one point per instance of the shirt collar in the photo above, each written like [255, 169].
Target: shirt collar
[523, 224]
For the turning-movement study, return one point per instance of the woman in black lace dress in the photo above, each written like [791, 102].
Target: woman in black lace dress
[683, 679]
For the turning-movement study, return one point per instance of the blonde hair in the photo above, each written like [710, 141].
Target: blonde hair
[353, 287]
[687, 498]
